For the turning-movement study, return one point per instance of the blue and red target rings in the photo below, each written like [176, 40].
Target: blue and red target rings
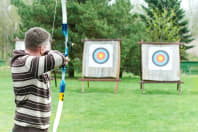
[100, 55]
[160, 58]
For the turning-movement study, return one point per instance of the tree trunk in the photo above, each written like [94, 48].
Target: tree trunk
[3, 51]
[121, 73]
[71, 70]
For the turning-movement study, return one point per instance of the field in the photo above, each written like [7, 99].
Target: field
[161, 109]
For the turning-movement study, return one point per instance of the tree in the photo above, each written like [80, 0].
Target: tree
[99, 20]
[8, 18]
[179, 21]
[92, 19]
[161, 26]
[192, 16]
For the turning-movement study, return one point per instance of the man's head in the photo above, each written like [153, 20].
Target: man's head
[37, 39]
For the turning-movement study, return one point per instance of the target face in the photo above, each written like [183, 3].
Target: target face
[100, 55]
[160, 62]
[160, 58]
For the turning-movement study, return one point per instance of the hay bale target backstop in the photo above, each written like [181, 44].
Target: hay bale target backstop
[160, 63]
[101, 61]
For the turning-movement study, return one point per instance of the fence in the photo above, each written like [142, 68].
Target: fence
[189, 67]
[2, 62]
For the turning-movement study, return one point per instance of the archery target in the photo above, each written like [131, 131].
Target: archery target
[160, 58]
[100, 56]
[101, 59]
[160, 62]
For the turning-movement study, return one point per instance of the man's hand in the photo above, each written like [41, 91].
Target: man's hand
[66, 60]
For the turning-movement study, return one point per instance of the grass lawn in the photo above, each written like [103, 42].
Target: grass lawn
[161, 109]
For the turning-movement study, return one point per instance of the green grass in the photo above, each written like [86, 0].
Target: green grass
[161, 109]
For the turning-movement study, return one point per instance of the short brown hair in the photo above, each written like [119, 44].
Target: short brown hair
[35, 37]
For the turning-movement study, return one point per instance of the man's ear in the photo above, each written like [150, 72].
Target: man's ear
[42, 50]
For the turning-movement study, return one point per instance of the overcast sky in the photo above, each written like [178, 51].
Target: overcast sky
[186, 4]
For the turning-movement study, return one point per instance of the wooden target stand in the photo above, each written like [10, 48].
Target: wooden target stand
[108, 79]
[142, 81]
[99, 80]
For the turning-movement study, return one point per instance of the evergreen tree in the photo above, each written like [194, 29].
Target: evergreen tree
[100, 20]
[161, 26]
[40, 13]
[91, 19]
[169, 5]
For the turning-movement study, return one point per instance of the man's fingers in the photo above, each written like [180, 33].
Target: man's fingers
[67, 60]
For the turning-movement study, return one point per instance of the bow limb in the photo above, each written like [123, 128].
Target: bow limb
[62, 83]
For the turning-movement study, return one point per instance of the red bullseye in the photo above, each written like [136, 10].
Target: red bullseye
[101, 55]
[160, 58]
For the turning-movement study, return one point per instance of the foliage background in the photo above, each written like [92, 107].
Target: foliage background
[89, 19]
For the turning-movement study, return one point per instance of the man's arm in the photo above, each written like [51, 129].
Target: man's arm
[43, 64]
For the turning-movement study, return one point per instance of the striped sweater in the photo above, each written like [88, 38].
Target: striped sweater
[32, 87]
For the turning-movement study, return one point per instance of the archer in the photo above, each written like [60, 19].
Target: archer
[31, 81]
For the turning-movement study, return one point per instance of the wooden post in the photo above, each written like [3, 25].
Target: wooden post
[142, 85]
[179, 87]
[116, 87]
[83, 86]
[88, 84]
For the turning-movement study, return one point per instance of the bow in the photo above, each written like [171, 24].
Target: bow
[62, 83]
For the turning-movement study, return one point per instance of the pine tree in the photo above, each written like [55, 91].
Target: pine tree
[169, 5]
[91, 19]
[161, 28]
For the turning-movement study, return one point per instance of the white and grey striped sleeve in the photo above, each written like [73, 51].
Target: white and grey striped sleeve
[48, 62]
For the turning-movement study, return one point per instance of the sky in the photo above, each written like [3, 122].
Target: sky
[190, 6]
[185, 3]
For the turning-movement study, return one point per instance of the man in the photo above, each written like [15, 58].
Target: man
[31, 81]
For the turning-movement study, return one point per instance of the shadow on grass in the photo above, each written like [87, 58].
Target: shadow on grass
[193, 92]
[95, 90]
[138, 91]
[161, 92]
